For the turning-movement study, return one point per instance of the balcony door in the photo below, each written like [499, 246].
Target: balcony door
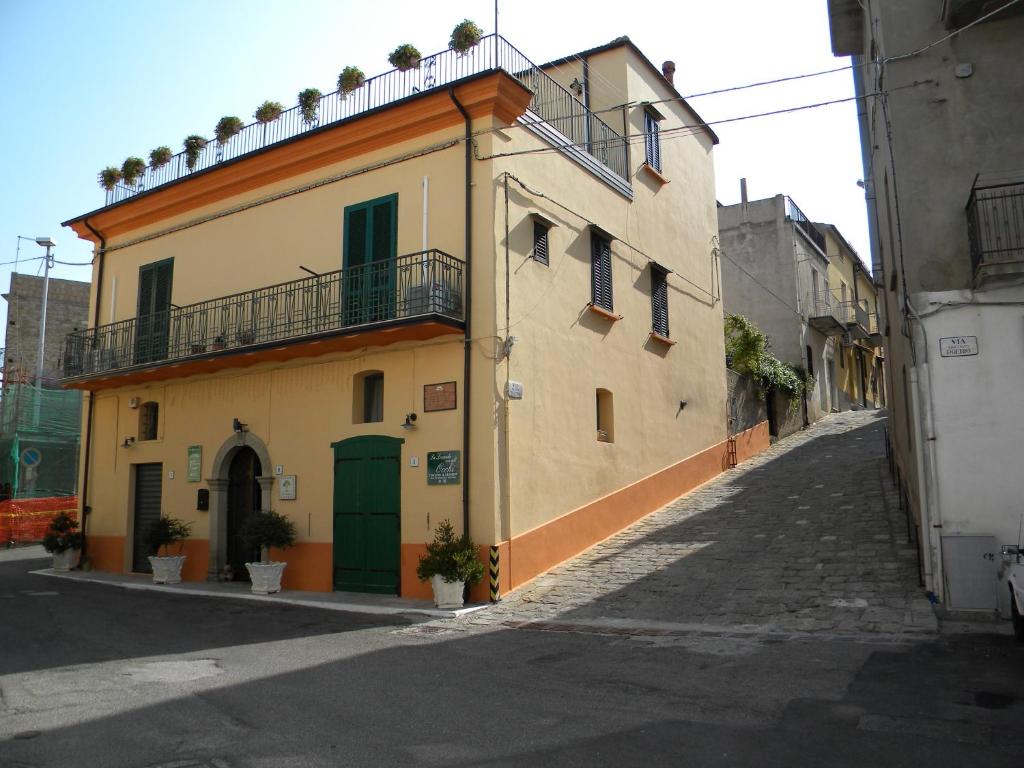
[152, 324]
[370, 248]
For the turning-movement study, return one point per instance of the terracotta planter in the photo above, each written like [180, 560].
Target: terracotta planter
[266, 577]
[447, 594]
[167, 570]
[66, 560]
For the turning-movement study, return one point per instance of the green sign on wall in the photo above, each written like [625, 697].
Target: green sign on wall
[195, 463]
[443, 468]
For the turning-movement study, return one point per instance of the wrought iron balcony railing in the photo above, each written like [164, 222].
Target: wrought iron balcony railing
[409, 286]
[995, 224]
[804, 224]
[551, 103]
[853, 314]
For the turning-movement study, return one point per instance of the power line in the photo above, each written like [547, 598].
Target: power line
[951, 35]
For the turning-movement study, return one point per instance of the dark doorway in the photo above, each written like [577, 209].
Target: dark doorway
[244, 498]
[148, 488]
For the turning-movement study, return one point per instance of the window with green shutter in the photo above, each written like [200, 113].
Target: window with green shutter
[601, 271]
[659, 300]
[652, 140]
[369, 252]
[152, 321]
[540, 243]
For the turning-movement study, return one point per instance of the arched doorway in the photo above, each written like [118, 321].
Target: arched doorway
[244, 498]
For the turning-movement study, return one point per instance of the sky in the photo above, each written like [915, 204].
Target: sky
[88, 84]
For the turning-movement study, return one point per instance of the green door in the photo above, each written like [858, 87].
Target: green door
[152, 322]
[371, 246]
[367, 514]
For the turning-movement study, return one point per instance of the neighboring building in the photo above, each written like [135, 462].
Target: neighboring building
[775, 271]
[944, 181]
[856, 370]
[39, 426]
[455, 293]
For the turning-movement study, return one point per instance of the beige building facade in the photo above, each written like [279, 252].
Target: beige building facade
[477, 302]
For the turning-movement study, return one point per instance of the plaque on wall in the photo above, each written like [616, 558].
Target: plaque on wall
[439, 397]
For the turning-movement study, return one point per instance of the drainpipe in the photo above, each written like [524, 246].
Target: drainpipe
[468, 291]
[86, 509]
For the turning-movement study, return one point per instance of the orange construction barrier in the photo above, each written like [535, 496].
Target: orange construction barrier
[27, 520]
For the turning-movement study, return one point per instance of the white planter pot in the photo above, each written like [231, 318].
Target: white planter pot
[447, 595]
[266, 577]
[167, 570]
[66, 560]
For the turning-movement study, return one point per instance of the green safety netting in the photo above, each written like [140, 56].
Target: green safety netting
[39, 434]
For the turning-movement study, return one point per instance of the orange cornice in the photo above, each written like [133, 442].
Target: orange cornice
[496, 94]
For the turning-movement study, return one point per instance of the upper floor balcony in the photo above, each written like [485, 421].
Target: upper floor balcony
[827, 317]
[411, 297]
[874, 337]
[855, 317]
[805, 225]
[575, 128]
[995, 228]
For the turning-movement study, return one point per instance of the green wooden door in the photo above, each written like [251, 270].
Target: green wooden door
[152, 323]
[367, 514]
[371, 245]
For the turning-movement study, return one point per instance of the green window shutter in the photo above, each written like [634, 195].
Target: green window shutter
[540, 243]
[162, 278]
[659, 300]
[356, 230]
[147, 274]
[601, 271]
[652, 141]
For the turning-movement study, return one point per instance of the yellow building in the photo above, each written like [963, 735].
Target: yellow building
[857, 364]
[455, 292]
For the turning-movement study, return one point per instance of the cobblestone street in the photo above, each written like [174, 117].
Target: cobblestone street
[807, 537]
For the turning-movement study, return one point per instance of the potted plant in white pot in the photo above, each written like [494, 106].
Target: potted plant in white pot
[63, 541]
[449, 564]
[165, 532]
[263, 530]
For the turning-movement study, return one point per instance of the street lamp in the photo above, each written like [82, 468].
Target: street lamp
[48, 243]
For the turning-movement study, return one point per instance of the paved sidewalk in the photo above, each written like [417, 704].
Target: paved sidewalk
[805, 538]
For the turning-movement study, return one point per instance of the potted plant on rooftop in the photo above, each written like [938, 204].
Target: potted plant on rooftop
[309, 105]
[132, 169]
[109, 177]
[404, 57]
[193, 146]
[63, 540]
[164, 532]
[449, 564]
[160, 157]
[350, 79]
[227, 127]
[262, 530]
[465, 36]
[268, 111]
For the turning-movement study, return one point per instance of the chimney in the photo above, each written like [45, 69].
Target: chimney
[668, 69]
[743, 191]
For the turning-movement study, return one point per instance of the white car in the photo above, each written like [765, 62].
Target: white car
[1015, 580]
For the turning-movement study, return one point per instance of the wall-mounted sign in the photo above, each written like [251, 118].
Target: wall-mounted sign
[31, 457]
[443, 468]
[287, 488]
[514, 389]
[195, 463]
[439, 397]
[958, 346]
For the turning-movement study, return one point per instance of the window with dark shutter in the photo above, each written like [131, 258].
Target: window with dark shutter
[540, 243]
[659, 300]
[652, 141]
[601, 271]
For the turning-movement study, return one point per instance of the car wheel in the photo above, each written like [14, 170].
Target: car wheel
[1018, 620]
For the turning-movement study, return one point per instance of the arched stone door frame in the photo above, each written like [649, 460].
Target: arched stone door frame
[218, 484]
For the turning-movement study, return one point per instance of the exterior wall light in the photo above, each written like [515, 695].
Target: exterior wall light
[410, 421]
[238, 426]
[128, 442]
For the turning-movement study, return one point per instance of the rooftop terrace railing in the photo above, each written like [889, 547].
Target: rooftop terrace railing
[405, 287]
[552, 103]
[800, 220]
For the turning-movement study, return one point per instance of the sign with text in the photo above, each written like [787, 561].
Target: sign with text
[439, 397]
[958, 346]
[443, 467]
[195, 463]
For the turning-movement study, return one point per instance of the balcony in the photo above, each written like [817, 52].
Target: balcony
[874, 337]
[576, 128]
[855, 318]
[826, 317]
[804, 225]
[995, 228]
[411, 297]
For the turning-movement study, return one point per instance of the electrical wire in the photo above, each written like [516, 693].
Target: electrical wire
[951, 35]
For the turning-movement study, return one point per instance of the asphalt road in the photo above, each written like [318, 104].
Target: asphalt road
[98, 676]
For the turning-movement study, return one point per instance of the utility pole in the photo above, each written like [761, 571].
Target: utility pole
[49, 244]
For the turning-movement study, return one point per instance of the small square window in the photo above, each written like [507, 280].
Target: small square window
[540, 243]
